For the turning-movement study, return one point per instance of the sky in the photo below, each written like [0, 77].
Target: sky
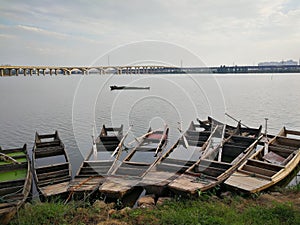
[80, 32]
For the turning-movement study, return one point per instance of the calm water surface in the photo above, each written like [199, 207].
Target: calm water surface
[74, 104]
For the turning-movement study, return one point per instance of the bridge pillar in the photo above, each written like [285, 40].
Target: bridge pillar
[2, 72]
[30, 72]
[50, 72]
[44, 72]
[17, 72]
[84, 72]
[10, 72]
[55, 71]
[38, 72]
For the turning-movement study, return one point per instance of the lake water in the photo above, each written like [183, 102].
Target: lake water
[74, 104]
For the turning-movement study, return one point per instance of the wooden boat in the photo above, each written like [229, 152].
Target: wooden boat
[128, 88]
[126, 175]
[184, 153]
[219, 160]
[15, 181]
[94, 168]
[51, 166]
[269, 165]
[239, 130]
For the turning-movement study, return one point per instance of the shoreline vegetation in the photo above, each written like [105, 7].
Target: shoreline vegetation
[279, 207]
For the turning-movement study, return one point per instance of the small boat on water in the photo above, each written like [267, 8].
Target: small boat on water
[95, 167]
[15, 181]
[183, 154]
[269, 165]
[51, 166]
[126, 175]
[114, 87]
[223, 154]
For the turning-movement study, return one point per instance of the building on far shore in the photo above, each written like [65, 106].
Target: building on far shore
[282, 63]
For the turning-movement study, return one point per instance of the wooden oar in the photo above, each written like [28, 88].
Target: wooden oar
[231, 117]
[121, 142]
[8, 158]
[161, 143]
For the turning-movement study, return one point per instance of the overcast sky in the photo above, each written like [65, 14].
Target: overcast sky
[76, 32]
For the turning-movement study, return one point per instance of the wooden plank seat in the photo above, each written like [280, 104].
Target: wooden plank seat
[112, 139]
[48, 151]
[178, 162]
[282, 151]
[264, 165]
[151, 140]
[173, 168]
[106, 147]
[197, 133]
[51, 168]
[273, 158]
[288, 142]
[15, 197]
[145, 149]
[9, 167]
[97, 162]
[54, 181]
[251, 174]
[11, 189]
[48, 144]
[241, 141]
[216, 164]
[47, 136]
[259, 170]
[52, 175]
[131, 171]
[95, 170]
[209, 170]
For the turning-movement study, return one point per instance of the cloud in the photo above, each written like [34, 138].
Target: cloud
[219, 31]
[42, 31]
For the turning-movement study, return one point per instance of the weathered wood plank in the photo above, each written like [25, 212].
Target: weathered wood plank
[259, 170]
[257, 163]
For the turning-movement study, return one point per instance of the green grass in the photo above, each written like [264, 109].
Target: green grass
[216, 212]
[44, 213]
[205, 210]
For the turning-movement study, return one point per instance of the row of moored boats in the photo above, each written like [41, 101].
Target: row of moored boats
[209, 153]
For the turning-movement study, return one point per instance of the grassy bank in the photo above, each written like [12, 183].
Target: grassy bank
[275, 208]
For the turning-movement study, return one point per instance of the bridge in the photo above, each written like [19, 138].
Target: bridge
[84, 70]
[139, 69]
